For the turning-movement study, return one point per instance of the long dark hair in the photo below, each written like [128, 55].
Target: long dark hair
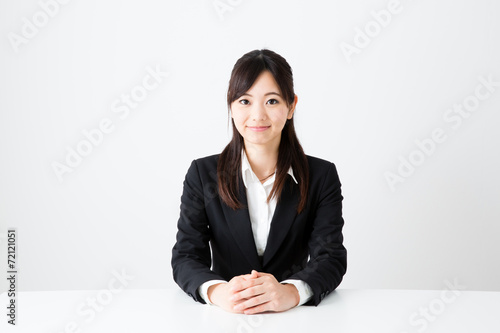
[290, 152]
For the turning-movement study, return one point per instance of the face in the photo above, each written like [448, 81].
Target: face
[261, 113]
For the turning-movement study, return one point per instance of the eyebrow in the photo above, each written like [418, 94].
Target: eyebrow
[269, 93]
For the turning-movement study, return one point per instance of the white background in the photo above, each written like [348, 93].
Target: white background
[117, 210]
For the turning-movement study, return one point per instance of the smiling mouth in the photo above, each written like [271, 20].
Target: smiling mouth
[258, 128]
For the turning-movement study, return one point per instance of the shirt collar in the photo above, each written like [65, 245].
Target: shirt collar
[249, 175]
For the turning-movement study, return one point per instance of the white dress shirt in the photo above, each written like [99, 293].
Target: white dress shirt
[261, 214]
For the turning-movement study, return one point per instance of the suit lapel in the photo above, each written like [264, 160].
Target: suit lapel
[239, 224]
[284, 215]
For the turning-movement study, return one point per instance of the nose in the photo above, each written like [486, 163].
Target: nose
[258, 112]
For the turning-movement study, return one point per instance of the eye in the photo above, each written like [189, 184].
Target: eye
[244, 101]
[272, 101]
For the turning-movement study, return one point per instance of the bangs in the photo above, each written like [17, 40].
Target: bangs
[248, 68]
[244, 74]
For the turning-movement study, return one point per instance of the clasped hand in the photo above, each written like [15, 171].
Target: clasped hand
[254, 293]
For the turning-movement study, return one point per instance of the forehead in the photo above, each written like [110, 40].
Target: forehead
[264, 83]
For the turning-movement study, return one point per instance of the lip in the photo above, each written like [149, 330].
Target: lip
[258, 128]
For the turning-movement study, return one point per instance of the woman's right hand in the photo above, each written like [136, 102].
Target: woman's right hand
[221, 294]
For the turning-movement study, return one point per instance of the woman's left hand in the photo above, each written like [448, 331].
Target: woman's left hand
[264, 293]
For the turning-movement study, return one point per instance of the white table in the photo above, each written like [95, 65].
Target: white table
[170, 310]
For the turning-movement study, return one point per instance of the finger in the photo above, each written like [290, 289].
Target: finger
[242, 284]
[240, 301]
[254, 274]
[248, 293]
[242, 277]
[258, 274]
[262, 285]
[261, 279]
[258, 309]
[262, 274]
[252, 302]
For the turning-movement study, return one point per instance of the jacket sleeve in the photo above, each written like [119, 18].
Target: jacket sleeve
[328, 257]
[191, 256]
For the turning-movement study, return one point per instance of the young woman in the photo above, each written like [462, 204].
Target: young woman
[260, 226]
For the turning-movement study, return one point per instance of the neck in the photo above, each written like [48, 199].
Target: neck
[262, 159]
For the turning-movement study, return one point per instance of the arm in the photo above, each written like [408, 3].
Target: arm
[191, 256]
[328, 257]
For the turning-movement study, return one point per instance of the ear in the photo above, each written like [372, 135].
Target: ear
[292, 107]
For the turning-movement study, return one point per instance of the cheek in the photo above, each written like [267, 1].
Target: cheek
[238, 120]
[236, 117]
[280, 117]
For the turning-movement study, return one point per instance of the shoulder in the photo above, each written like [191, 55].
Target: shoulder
[322, 170]
[204, 167]
[209, 160]
[319, 165]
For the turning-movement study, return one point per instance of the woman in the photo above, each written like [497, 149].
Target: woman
[252, 215]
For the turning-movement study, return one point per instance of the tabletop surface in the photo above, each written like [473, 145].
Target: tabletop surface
[170, 310]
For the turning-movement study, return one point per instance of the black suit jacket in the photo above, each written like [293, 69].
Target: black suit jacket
[216, 242]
